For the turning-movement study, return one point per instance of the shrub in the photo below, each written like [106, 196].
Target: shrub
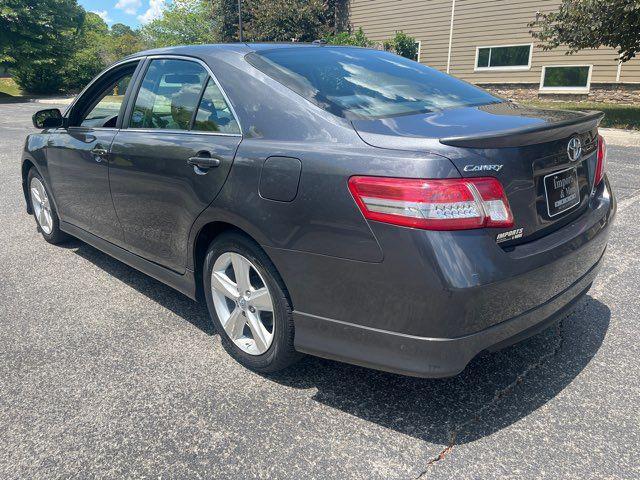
[40, 76]
[403, 44]
[357, 39]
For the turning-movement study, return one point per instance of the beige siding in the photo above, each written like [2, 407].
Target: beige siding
[479, 23]
[630, 72]
[425, 20]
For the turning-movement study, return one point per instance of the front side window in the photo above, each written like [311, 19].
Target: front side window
[214, 115]
[107, 106]
[575, 77]
[362, 83]
[168, 95]
[506, 57]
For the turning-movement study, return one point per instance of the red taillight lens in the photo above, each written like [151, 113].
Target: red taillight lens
[602, 161]
[447, 204]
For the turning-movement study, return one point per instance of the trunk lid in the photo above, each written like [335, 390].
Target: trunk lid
[527, 149]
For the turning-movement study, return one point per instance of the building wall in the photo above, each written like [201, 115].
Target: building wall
[426, 20]
[480, 23]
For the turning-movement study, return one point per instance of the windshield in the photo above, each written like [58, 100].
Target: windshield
[363, 83]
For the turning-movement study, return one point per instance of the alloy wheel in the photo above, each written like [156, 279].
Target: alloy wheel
[243, 303]
[41, 205]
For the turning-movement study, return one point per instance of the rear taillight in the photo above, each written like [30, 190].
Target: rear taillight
[447, 204]
[602, 161]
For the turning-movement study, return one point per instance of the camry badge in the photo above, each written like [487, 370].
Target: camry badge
[482, 168]
[574, 149]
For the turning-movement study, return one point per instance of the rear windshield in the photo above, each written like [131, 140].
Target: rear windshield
[362, 83]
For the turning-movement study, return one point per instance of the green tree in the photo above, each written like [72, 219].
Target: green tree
[582, 24]
[289, 20]
[402, 44]
[90, 55]
[121, 42]
[357, 38]
[226, 13]
[184, 22]
[37, 37]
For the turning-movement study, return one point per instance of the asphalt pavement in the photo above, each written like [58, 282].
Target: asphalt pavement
[107, 373]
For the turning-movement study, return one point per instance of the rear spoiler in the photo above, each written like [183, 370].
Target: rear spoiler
[519, 137]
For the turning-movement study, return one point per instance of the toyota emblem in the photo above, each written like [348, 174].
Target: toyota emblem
[574, 149]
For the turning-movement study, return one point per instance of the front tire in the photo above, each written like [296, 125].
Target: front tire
[248, 304]
[44, 211]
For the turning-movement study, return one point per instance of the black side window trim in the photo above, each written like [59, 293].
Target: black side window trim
[199, 102]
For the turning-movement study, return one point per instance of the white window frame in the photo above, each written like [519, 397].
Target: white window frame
[585, 89]
[513, 68]
[419, 42]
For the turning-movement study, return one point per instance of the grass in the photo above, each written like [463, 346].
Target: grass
[616, 115]
[8, 88]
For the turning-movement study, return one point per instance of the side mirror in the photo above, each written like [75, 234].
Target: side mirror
[49, 118]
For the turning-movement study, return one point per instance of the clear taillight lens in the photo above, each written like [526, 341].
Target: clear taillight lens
[602, 161]
[447, 204]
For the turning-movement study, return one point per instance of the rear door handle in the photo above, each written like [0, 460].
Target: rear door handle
[204, 162]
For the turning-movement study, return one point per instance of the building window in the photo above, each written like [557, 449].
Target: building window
[506, 57]
[565, 78]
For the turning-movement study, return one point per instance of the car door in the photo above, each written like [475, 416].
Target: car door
[171, 158]
[77, 156]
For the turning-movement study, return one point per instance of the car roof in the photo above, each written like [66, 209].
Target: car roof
[220, 49]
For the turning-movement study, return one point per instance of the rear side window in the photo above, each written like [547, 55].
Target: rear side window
[168, 95]
[362, 83]
[214, 114]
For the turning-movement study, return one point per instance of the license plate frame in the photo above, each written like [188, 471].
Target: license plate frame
[565, 199]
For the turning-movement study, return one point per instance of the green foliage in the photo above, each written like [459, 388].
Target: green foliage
[121, 42]
[55, 46]
[287, 20]
[226, 13]
[402, 44]
[80, 54]
[184, 22]
[37, 37]
[88, 59]
[40, 76]
[357, 39]
[581, 24]
[32, 30]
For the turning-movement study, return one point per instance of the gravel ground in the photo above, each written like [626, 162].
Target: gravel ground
[105, 372]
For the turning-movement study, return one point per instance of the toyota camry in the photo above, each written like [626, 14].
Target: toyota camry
[337, 201]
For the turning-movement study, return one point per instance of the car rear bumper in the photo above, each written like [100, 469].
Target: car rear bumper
[439, 298]
[423, 356]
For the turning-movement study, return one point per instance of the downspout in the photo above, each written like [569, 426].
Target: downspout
[619, 72]
[453, 13]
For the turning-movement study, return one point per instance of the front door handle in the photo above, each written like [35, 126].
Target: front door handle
[99, 153]
[204, 162]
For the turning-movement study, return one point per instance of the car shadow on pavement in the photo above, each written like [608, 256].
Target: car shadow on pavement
[194, 312]
[494, 391]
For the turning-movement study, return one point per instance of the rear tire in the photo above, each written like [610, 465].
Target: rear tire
[44, 210]
[248, 303]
